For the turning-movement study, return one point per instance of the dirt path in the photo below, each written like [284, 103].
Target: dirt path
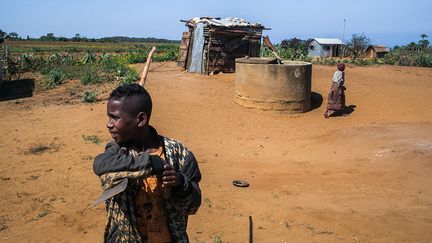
[365, 177]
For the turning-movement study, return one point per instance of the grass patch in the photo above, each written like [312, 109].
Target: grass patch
[3, 224]
[41, 215]
[88, 157]
[208, 202]
[20, 195]
[217, 238]
[92, 139]
[39, 149]
[33, 177]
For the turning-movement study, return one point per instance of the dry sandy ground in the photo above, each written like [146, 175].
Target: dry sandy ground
[361, 178]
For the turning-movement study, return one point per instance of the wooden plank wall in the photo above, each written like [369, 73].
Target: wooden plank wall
[221, 47]
[184, 49]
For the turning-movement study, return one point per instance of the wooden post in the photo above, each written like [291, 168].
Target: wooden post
[270, 45]
[146, 67]
[167, 190]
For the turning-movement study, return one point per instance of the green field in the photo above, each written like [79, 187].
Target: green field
[20, 47]
[89, 62]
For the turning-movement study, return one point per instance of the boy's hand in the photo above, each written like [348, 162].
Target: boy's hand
[170, 177]
[157, 164]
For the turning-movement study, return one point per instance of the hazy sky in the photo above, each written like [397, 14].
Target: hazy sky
[389, 22]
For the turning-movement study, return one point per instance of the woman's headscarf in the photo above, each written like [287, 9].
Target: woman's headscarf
[341, 66]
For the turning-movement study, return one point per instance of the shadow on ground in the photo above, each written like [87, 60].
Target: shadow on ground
[349, 109]
[17, 89]
[316, 100]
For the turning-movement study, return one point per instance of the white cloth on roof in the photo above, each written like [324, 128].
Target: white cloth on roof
[227, 22]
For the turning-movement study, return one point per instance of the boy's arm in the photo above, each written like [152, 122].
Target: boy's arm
[115, 164]
[187, 197]
[117, 159]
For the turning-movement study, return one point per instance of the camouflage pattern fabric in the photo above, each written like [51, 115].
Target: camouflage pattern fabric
[122, 224]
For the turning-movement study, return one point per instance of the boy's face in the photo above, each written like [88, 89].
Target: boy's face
[121, 124]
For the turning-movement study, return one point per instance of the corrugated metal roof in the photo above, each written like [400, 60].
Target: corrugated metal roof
[227, 22]
[379, 48]
[328, 41]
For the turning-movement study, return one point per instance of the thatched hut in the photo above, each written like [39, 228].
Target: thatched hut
[374, 51]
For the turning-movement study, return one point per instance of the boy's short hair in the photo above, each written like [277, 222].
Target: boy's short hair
[140, 100]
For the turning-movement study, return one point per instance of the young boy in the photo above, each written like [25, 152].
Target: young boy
[155, 178]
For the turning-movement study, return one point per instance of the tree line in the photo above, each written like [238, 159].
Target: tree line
[13, 36]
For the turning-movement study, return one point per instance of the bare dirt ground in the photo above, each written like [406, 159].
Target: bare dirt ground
[361, 178]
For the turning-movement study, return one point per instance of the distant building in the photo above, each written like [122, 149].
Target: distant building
[325, 47]
[212, 44]
[374, 51]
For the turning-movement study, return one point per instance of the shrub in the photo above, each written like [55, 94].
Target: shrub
[109, 64]
[412, 54]
[90, 77]
[424, 60]
[406, 56]
[121, 70]
[89, 96]
[293, 49]
[88, 58]
[131, 76]
[135, 57]
[53, 78]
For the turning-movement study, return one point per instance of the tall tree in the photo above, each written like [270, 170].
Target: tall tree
[77, 37]
[358, 44]
[424, 42]
[50, 37]
[13, 35]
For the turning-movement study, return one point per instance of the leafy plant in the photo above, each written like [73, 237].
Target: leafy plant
[88, 57]
[290, 49]
[89, 96]
[109, 64]
[130, 77]
[53, 78]
[90, 77]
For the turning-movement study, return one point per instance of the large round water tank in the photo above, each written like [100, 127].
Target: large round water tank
[264, 84]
